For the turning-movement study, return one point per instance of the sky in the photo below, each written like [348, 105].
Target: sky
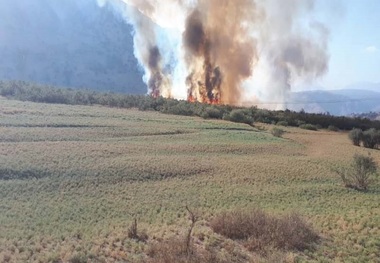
[354, 43]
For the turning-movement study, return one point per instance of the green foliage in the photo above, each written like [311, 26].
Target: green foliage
[356, 136]
[309, 127]
[371, 138]
[283, 123]
[299, 123]
[240, 116]
[212, 113]
[277, 132]
[360, 173]
[37, 93]
[333, 128]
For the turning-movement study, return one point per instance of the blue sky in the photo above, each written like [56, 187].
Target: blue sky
[354, 43]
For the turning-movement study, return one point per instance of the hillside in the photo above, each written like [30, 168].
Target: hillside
[73, 179]
[343, 102]
[67, 43]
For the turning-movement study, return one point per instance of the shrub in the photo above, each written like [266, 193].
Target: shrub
[276, 132]
[309, 127]
[371, 138]
[356, 136]
[300, 123]
[182, 108]
[133, 232]
[263, 116]
[240, 116]
[259, 231]
[212, 113]
[283, 123]
[360, 173]
[333, 128]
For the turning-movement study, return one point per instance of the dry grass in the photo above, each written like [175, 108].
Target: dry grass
[104, 167]
[175, 251]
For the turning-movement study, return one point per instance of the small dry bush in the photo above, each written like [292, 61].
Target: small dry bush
[360, 173]
[277, 132]
[260, 231]
[135, 234]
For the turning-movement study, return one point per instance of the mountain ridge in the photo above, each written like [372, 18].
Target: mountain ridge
[68, 43]
[343, 102]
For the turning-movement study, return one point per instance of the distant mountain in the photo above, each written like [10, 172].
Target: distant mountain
[336, 102]
[365, 86]
[71, 43]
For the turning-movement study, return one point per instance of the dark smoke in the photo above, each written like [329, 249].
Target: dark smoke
[220, 51]
[156, 77]
[207, 87]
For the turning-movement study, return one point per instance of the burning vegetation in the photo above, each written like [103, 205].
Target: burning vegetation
[226, 52]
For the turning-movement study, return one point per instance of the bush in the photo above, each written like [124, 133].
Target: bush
[133, 233]
[371, 138]
[309, 127]
[212, 113]
[240, 116]
[283, 123]
[333, 128]
[259, 231]
[276, 132]
[356, 136]
[360, 173]
[300, 123]
[182, 108]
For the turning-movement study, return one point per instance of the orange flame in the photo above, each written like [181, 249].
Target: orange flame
[203, 99]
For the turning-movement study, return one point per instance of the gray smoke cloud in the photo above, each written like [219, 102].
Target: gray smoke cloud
[231, 52]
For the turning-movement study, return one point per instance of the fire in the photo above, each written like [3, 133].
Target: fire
[203, 99]
[214, 51]
[191, 99]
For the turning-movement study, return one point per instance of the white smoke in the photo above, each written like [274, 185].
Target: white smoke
[281, 40]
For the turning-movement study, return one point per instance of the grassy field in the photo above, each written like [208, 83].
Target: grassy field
[73, 178]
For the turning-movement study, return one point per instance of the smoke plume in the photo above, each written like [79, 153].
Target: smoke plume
[222, 51]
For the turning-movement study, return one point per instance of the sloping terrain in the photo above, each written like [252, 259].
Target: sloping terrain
[73, 178]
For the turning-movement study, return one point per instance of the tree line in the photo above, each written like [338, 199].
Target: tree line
[26, 91]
